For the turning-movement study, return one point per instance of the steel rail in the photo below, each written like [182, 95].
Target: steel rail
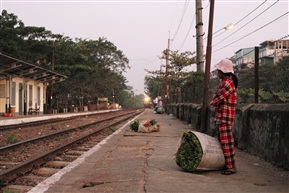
[15, 145]
[25, 167]
[52, 120]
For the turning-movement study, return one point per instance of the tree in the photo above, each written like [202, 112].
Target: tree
[26, 42]
[177, 77]
[94, 67]
[273, 83]
[154, 86]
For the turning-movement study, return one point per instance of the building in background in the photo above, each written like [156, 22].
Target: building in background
[281, 49]
[270, 52]
[266, 52]
[245, 58]
[23, 86]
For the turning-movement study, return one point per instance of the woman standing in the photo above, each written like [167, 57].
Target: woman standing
[224, 101]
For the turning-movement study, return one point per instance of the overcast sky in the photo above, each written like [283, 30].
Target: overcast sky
[141, 28]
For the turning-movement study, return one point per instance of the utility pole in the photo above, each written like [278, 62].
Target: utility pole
[256, 74]
[199, 36]
[52, 69]
[167, 66]
[204, 122]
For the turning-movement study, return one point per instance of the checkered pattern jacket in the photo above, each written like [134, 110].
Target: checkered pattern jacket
[224, 101]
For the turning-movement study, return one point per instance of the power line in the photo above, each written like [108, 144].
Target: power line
[284, 37]
[247, 23]
[252, 32]
[207, 5]
[182, 17]
[237, 21]
[187, 33]
[269, 54]
[249, 52]
[250, 13]
[173, 15]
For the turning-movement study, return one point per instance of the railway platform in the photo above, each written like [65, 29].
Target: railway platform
[40, 117]
[134, 162]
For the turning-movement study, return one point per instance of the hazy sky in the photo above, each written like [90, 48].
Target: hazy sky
[141, 28]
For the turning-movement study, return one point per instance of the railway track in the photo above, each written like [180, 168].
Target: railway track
[20, 132]
[26, 163]
[51, 120]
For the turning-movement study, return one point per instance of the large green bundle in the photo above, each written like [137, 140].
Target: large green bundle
[190, 152]
[134, 126]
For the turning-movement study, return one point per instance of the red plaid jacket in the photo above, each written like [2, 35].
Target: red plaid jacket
[224, 101]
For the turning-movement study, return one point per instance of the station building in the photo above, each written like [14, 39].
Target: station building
[23, 86]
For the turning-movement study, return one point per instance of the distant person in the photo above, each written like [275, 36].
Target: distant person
[160, 103]
[156, 101]
[224, 101]
[159, 108]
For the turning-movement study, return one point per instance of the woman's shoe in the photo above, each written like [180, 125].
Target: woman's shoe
[229, 171]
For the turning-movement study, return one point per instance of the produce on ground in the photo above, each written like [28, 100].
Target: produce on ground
[147, 126]
[190, 152]
[134, 126]
[156, 127]
[147, 123]
[153, 122]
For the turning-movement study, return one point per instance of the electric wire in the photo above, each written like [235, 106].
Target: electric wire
[207, 5]
[253, 50]
[252, 32]
[237, 21]
[279, 39]
[273, 54]
[187, 33]
[247, 23]
[253, 61]
[182, 17]
[250, 13]
[173, 15]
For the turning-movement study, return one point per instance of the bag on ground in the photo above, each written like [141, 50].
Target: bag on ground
[148, 126]
[198, 152]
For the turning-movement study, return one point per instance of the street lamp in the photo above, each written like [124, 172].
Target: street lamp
[229, 27]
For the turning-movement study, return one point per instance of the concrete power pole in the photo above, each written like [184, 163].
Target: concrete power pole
[167, 65]
[199, 36]
[51, 90]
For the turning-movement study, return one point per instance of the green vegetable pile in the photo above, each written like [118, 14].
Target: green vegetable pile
[153, 122]
[134, 126]
[190, 152]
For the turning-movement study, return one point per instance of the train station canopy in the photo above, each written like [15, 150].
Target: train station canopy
[10, 66]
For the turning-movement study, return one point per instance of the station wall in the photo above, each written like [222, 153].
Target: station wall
[260, 129]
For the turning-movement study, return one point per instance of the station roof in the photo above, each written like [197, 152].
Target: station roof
[18, 68]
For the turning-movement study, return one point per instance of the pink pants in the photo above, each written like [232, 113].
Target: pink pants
[227, 141]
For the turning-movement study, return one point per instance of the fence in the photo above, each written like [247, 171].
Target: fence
[266, 83]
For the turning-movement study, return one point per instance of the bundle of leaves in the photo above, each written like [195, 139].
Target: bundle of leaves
[134, 126]
[190, 152]
[153, 122]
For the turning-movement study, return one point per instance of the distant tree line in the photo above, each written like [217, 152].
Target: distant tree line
[94, 67]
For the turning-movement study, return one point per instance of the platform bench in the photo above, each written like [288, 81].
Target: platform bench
[31, 111]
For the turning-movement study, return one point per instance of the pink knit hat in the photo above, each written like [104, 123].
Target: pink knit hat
[225, 65]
